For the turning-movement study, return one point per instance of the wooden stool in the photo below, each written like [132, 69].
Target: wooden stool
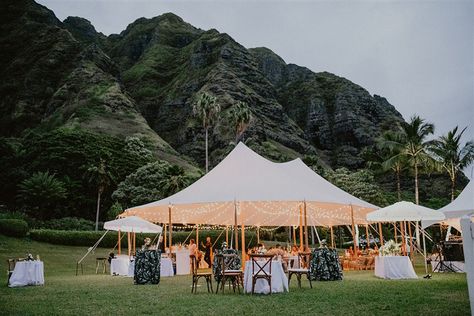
[98, 261]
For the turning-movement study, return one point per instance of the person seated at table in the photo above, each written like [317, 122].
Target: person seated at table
[278, 254]
[351, 252]
[261, 248]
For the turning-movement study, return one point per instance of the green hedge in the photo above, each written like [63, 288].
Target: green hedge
[89, 238]
[13, 227]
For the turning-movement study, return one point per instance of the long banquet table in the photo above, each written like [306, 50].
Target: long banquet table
[279, 279]
[394, 267]
[27, 273]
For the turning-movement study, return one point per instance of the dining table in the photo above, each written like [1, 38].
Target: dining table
[28, 272]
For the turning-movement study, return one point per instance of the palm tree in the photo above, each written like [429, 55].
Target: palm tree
[102, 177]
[240, 116]
[414, 146]
[391, 145]
[206, 108]
[175, 179]
[452, 157]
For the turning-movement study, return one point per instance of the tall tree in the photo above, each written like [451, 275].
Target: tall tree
[452, 156]
[241, 117]
[206, 109]
[391, 145]
[42, 195]
[414, 146]
[102, 178]
[174, 181]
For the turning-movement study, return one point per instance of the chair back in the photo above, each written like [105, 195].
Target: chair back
[304, 258]
[11, 265]
[228, 261]
[259, 263]
[194, 264]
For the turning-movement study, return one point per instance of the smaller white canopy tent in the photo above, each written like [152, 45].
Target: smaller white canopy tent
[406, 211]
[461, 206]
[133, 224]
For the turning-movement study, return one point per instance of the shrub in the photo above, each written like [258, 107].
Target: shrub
[13, 227]
[68, 223]
[89, 238]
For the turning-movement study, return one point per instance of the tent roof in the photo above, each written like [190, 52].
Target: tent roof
[265, 193]
[132, 224]
[462, 205]
[404, 211]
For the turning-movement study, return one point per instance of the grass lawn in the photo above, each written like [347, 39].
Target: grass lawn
[90, 294]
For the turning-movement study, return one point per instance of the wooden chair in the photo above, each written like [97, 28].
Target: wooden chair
[235, 277]
[11, 266]
[304, 259]
[98, 261]
[197, 275]
[259, 263]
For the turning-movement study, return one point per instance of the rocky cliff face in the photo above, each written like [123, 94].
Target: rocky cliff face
[144, 81]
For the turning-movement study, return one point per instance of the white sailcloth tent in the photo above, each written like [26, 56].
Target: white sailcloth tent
[461, 206]
[260, 193]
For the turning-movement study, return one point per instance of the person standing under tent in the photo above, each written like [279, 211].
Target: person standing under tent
[161, 244]
[207, 254]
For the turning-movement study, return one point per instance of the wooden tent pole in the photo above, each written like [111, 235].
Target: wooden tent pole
[294, 235]
[367, 235]
[227, 235]
[258, 234]
[332, 237]
[197, 235]
[395, 231]
[243, 244]
[165, 239]
[119, 245]
[381, 234]
[404, 250]
[129, 243]
[236, 233]
[411, 240]
[305, 227]
[353, 230]
[134, 243]
[171, 227]
[301, 228]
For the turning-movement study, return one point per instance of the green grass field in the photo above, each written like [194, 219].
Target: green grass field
[90, 294]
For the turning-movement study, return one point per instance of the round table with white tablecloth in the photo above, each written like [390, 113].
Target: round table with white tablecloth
[394, 267]
[27, 273]
[279, 279]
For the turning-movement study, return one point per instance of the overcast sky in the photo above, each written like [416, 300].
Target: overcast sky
[417, 54]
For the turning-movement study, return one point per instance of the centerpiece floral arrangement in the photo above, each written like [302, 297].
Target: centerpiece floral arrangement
[390, 248]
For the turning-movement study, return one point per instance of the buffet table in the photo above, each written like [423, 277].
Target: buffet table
[394, 267]
[120, 265]
[279, 279]
[27, 273]
[183, 265]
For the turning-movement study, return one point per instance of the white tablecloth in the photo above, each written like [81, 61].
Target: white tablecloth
[27, 273]
[120, 266]
[394, 267]
[166, 267]
[449, 266]
[183, 265]
[279, 279]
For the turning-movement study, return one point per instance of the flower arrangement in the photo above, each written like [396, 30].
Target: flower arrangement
[390, 248]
